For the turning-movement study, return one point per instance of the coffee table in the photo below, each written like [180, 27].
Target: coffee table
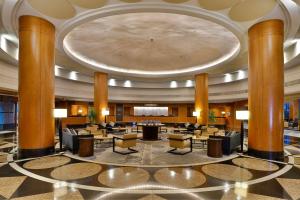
[100, 138]
[200, 140]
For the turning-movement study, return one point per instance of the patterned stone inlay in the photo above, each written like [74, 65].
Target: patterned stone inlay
[291, 186]
[123, 177]
[256, 164]
[75, 171]
[152, 197]
[227, 172]
[180, 177]
[3, 157]
[52, 195]
[247, 196]
[8, 185]
[47, 162]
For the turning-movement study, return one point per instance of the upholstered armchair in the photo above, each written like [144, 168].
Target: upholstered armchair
[179, 141]
[126, 141]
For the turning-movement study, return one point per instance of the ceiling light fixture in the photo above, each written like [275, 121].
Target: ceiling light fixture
[173, 84]
[127, 83]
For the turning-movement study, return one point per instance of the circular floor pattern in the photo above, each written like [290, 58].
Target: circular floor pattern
[47, 162]
[123, 177]
[256, 164]
[227, 172]
[75, 171]
[180, 177]
[3, 157]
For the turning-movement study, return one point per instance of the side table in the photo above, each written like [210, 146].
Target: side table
[86, 146]
[214, 147]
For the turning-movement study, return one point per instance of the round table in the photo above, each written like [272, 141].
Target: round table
[86, 146]
[214, 147]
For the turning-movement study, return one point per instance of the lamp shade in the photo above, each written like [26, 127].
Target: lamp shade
[60, 113]
[105, 112]
[242, 115]
[196, 113]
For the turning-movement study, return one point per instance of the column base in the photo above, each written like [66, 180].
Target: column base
[31, 153]
[279, 156]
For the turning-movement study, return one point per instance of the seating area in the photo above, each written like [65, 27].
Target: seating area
[178, 140]
[150, 99]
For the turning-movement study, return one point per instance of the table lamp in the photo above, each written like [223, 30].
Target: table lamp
[58, 114]
[242, 115]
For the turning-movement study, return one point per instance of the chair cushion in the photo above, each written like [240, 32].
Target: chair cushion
[130, 136]
[112, 124]
[103, 124]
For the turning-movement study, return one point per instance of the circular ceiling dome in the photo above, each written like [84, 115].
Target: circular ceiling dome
[151, 43]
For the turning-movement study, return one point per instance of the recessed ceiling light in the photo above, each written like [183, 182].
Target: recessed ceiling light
[127, 83]
[189, 83]
[73, 75]
[173, 84]
[241, 74]
[228, 78]
[112, 82]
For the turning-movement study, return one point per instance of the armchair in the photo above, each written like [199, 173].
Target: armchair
[179, 141]
[126, 141]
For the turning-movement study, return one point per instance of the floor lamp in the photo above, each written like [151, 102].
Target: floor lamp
[59, 114]
[105, 113]
[242, 115]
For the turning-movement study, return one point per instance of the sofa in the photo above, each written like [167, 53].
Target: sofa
[70, 139]
[230, 142]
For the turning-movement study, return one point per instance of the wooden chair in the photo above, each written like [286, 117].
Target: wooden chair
[179, 141]
[126, 141]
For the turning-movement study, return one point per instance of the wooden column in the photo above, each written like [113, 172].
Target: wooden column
[36, 86]
[266, 89]
[201, 98]
[100, 95]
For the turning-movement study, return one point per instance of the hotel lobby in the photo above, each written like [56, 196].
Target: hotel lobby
[150, 99]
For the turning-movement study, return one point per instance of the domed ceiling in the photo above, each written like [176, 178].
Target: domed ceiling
[151, 43]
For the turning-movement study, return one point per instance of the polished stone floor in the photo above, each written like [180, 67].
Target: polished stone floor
[63, 176]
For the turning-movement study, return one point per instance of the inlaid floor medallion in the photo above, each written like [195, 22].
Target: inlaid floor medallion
[47, 162]
[227, 172]
[180, 177]
[256, 164]
[123, 177]
[75, 171]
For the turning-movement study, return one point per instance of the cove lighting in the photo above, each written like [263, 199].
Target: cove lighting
[173, 84]
[112, 82]
[189, 83]
[82, 59]
[127, 83]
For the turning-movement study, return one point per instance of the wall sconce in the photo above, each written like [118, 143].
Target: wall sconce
[223, 113]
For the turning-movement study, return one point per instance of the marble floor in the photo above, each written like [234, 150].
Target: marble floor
[63, 176]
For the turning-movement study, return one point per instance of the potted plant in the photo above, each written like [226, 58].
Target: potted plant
[92, 115]
[212, 116]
